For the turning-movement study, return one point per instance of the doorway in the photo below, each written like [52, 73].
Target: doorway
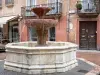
[88, 35]
[13, 33]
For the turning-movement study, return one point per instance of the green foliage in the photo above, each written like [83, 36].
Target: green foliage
[79, 6]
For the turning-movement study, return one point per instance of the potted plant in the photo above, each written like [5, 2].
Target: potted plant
[79, 6]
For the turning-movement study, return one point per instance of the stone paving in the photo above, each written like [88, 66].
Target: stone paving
[92, 56]
[2, 56]
[95, 71]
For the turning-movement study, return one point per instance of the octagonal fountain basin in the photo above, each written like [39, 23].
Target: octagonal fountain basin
[28, 58]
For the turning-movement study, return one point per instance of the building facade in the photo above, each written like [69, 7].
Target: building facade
[14, 12]
[85, 23]
[80, 26]
[58, 12]
[10, 10]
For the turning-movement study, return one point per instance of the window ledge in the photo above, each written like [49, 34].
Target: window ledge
[10, 5]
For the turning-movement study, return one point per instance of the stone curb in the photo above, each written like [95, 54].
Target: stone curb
[2, 60]
[95, 71]
[94, 51]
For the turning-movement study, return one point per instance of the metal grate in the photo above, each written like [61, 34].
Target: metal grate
[83, 71]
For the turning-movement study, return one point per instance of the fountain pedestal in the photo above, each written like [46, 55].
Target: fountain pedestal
[25, 58]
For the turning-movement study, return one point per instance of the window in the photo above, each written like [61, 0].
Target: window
[1, 34]
[52, 34]
[88, 5]
[53, 1]
[13, 33]
[30, 2]
[32, 34]
[54, 4]
[9, 2]
[0, 3]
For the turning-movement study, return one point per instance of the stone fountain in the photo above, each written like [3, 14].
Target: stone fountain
[41, 56]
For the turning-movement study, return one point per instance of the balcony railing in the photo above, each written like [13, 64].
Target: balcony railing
[89, 7]
[56, 9]
[9, 2]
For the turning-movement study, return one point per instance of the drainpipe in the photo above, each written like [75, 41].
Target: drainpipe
[68, 19]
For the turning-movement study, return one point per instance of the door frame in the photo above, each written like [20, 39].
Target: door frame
[79, 32]
[77, 20]
[10, 25]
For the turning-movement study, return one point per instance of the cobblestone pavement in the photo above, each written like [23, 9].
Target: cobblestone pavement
[90, 56]
[2, 56]
[95, 71]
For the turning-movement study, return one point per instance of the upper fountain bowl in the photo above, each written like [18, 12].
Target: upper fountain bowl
[40, 11]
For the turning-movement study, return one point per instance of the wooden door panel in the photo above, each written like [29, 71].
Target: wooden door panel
[88, 35]
[84, 45]
[92, 35]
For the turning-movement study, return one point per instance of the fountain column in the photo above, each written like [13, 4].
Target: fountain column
[41, 30]
[42, 36]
